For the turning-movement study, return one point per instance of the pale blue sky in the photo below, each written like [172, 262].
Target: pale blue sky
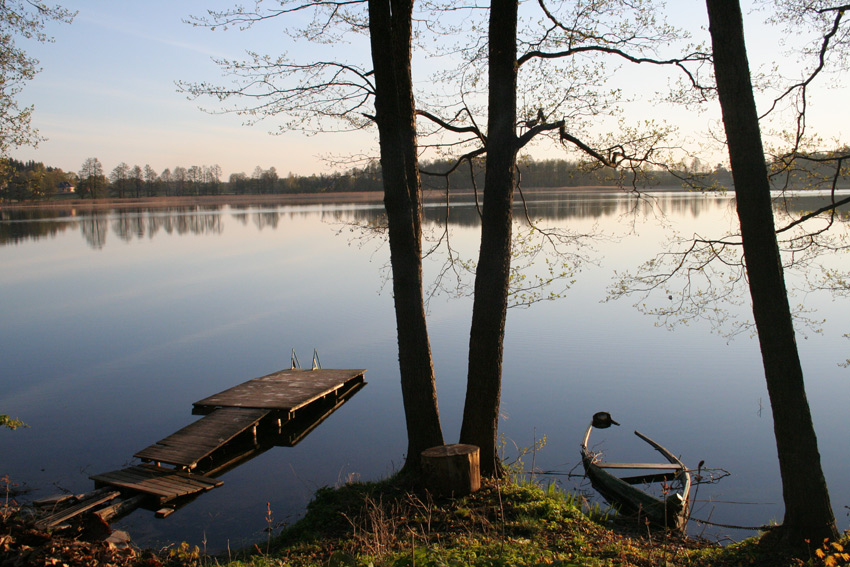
[107, 90]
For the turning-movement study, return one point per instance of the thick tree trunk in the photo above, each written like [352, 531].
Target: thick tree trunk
[486, 337]
[390, 31]
[808, 513]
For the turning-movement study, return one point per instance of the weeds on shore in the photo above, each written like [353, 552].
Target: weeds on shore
[9, 505]
[506, 523]
[387, 524]
[831, 554]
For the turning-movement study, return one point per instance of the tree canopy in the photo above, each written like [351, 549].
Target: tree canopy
[21, 19]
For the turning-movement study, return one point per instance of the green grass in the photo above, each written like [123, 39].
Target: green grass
[507, 523]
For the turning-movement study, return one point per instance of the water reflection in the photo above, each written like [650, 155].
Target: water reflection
[126, 224]
[31, 224]
[103, 350]
[94, 230]
[136, 223]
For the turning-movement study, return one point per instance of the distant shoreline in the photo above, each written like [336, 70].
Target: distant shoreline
[285, 198]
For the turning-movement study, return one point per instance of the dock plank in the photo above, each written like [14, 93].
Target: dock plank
[163, 480]
[285, 390]
[95, 499]
[203, 437]
[163, 483]
[291, 402]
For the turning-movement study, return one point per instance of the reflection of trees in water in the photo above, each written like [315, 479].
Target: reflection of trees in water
[240, 213]
[127, 224]
[262, 219]
[94, 229]
[137, 223]
[32, 224]
[702, 276]
[132, 223]
[265, 217]
[463, 212]
[798, 205]
[196, 222]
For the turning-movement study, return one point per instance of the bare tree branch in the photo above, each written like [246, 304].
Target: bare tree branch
[802, 85]
[451, 127]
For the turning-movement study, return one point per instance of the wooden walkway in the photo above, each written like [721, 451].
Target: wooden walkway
[286, 390]
[187, 447]
[163, 483]
[285, 405]
[241, 410]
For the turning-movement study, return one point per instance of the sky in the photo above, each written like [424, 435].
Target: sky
[107, 89]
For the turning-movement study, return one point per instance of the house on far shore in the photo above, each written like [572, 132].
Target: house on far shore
[65, 188]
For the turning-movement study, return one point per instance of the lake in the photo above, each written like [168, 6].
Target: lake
[116, 321]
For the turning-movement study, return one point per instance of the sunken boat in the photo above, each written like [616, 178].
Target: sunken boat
[670, 510]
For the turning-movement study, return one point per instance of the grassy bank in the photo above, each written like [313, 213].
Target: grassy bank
[386, 524]
[506, 523]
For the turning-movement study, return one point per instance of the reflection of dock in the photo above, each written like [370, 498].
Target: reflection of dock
[279, 409]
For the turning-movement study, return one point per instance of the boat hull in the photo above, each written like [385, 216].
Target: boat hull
[671, 512]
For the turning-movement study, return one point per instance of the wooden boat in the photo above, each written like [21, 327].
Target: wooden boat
[671, 511]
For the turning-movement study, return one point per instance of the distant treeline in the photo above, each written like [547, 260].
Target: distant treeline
[25, 181]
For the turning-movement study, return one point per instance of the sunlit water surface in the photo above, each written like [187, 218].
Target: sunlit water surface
[113, 323]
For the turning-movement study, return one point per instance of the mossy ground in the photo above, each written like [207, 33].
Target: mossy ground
[388, 523]
[506, 523]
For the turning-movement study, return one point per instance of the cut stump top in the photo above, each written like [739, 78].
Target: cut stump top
[450, 450]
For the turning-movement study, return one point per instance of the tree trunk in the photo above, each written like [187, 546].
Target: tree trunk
[390, 33]
[808, 513]
[486, 337]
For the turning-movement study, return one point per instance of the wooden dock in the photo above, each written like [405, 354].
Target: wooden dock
[243, 409]
[199, 440]
[285, 390]
[163, 483]
[278, 409]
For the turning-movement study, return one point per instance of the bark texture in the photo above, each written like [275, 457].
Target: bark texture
[808, 513]
[390, 33]
[487, 333]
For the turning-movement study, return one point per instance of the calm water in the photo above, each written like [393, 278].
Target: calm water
[114, 323]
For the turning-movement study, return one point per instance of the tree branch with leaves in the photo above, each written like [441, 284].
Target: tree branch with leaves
[21, 19]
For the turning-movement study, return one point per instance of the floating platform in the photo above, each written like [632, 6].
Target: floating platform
[187, 447]
[286, 390]
[278, 409]
[162, 483]
[241, 410]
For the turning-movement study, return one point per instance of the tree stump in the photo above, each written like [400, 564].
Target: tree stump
[452, 470]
